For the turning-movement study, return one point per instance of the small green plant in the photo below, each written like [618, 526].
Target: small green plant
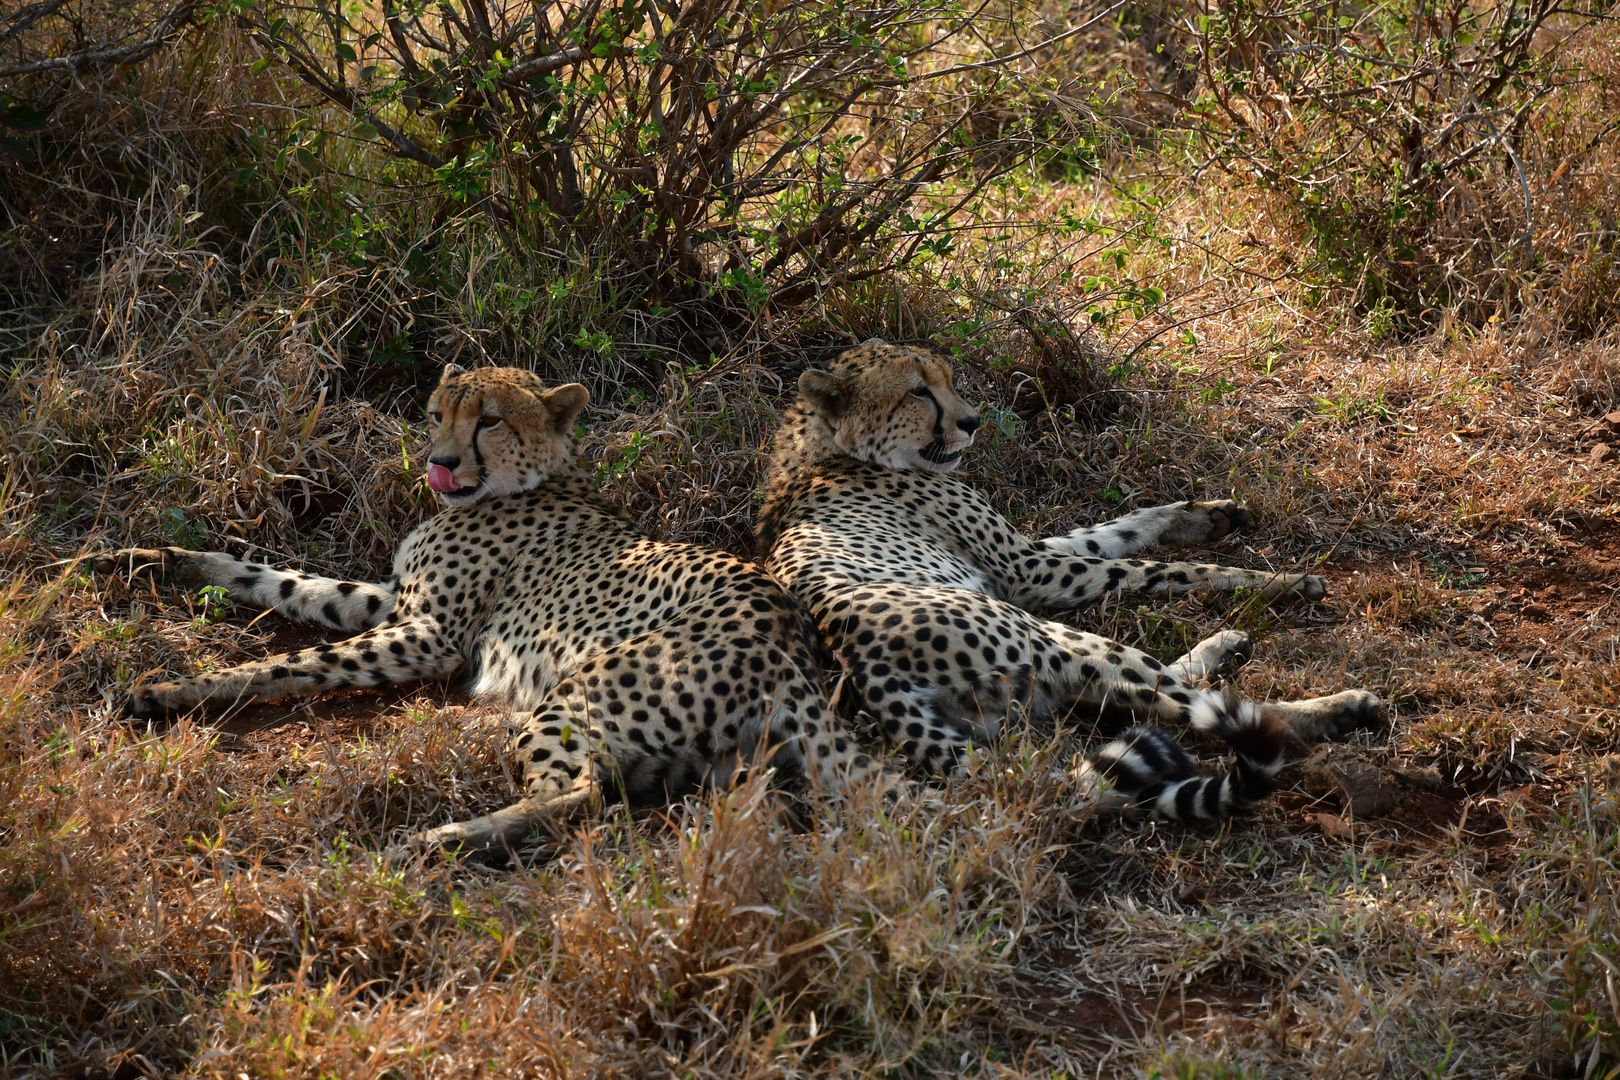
[624, 460]
[213, 604]
[594, 341]
[1380, 319]
[1005, 421]
[1161, 635]
[181, 531]
[1211, 394]
[1249, 610]
[1450, 577]
[1349, 408]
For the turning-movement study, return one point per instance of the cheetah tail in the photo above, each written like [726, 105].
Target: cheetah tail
[1149, 767]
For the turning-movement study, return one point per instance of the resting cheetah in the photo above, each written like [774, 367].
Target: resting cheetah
[924, 593]
[648, 666]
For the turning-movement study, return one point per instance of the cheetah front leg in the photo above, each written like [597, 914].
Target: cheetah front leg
[1182, 524]
[398, 653]
[1062, 582]
[504, 830]
[342, 605]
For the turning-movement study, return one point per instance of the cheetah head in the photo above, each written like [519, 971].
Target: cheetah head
[890, 405]
[497, 430]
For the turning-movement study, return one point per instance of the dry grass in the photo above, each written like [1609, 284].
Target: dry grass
[207, 902]
[188, 900]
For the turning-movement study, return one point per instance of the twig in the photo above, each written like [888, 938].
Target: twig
[168, 28]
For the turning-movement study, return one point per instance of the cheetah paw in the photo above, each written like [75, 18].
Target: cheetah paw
[504, 831]
[166, 566]
[1336, 715]
[145, 702]
[162, 700]
[1207, 522]
[1215, 655]
[1194, 524]
[1310, 587]
[460, 839]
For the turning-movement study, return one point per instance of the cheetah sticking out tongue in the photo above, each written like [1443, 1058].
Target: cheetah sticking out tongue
[441, 479]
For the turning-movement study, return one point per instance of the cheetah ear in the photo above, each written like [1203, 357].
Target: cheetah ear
[450, 372]
[827, 393]
[564, 403]
[871, 341]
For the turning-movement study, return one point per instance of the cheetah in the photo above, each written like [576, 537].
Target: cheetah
[650, 667]
[925, 594]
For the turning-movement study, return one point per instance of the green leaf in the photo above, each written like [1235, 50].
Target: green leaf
[365, 131]
[19, 148]
[259, 65]
[346, 51]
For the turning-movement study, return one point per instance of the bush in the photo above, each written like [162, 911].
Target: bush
[1417, 146]
[658, 173]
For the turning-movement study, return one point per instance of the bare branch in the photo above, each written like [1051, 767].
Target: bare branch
[168, 28]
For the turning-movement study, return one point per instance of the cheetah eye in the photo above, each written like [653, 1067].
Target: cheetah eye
[922, 393]
[488, 421]
[436, 417]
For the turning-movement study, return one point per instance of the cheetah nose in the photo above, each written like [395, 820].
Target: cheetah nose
[969, 424]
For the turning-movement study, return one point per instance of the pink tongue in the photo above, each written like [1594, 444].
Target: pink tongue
[441, 479]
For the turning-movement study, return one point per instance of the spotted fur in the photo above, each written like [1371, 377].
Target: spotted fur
[926, 594]
[653, 667]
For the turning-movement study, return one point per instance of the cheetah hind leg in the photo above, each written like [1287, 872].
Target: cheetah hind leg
[1148, 758]
[505, 829]
[585, 734]
[1311, 720]
[1316, 719]
[555, 746]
